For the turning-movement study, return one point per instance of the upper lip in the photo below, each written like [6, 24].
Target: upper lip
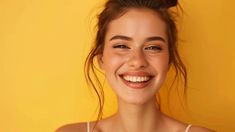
[137, 73]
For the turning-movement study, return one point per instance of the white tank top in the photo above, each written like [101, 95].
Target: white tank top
[186, 130]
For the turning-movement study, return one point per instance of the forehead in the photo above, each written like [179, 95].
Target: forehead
[138, 23]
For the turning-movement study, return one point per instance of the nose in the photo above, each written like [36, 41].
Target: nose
[137, 59]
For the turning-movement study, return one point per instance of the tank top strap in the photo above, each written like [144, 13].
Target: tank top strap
[88, 127]
[188, 127]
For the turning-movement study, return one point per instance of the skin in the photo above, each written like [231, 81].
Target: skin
[136, 45]
[132, 52]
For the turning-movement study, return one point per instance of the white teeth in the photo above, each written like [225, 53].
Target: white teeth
[136, 78]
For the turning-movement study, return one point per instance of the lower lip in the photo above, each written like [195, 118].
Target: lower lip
[138, 85]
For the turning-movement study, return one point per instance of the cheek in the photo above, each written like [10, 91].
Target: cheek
[160, 63]
[112, 62]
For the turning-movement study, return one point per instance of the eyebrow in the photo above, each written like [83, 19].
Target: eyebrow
[121, 37]
[153, 38]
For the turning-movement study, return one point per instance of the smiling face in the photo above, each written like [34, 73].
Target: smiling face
[135, 58]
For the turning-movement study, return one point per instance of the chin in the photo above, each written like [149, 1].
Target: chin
[140, 100]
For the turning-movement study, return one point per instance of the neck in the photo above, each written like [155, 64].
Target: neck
[138, 117]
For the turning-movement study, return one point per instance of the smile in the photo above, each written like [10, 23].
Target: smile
[138, 81]
[136, 78]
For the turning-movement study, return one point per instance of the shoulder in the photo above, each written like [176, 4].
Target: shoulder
[75, 127]
[181, 126]
[199, 129]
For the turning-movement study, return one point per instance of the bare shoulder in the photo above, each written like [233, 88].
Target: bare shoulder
[181, 126]
[75, 127]
[200, 129]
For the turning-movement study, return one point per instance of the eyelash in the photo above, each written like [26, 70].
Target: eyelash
[154, 48]
[121, 46]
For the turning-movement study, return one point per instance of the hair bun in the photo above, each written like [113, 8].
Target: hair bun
[170, 3]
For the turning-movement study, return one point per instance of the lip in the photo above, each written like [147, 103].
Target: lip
[137, 73]
[137, 85]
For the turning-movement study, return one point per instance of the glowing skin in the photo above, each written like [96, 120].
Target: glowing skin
[135, 57]
[135, 60]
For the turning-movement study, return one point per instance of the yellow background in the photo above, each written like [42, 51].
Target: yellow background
[43, 44]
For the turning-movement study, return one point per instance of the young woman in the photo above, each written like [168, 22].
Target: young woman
[136, 44]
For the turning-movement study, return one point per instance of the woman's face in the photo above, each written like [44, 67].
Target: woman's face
[135, 57]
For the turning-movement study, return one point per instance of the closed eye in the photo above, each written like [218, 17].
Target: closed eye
[154, 48]
[121, 46]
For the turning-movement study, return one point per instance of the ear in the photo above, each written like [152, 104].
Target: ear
[100, 61]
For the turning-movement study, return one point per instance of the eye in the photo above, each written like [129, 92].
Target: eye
[121, 46]
[154, 48]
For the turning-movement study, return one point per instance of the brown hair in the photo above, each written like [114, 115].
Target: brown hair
[114, 9]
